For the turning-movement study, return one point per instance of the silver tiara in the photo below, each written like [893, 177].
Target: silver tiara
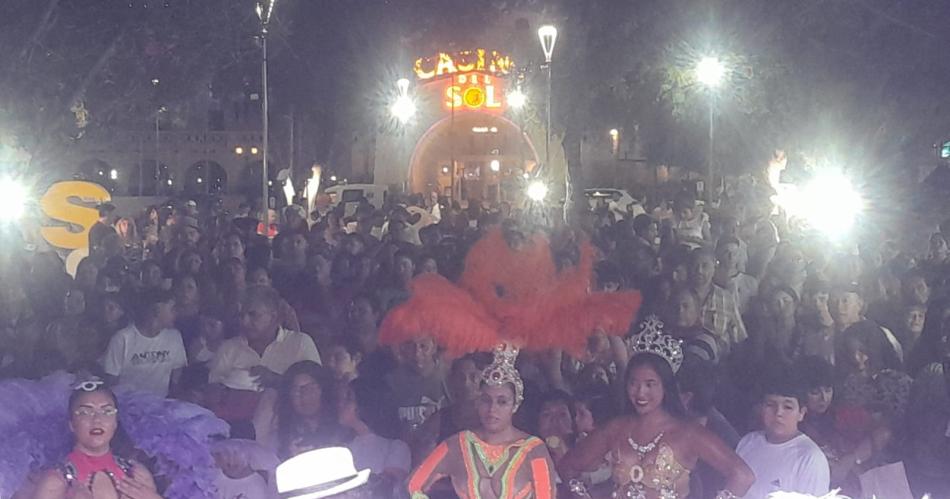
[652, 339]
[91, 384]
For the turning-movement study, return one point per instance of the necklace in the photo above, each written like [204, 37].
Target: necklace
[643, 450]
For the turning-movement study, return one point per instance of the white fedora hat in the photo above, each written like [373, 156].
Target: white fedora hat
[319, 473]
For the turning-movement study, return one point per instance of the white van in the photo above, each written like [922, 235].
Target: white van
[351, 194]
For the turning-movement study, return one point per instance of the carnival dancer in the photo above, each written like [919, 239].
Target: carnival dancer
[654, 447]
[92, 469]
[48, 453]
[496, 461]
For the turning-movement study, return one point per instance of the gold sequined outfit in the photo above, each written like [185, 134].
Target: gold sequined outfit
[654, 474]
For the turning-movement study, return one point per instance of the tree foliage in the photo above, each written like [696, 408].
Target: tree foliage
[73, 67]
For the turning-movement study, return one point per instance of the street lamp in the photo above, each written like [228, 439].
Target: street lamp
[710, 72]
[547, 34]
[404, 108]
[265, 9]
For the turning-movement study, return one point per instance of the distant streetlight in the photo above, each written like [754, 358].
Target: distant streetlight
[615, 141]
[239, 150]
[113, 174]
[710, 72]
[404, 108]
[495, 165]
[254, 151]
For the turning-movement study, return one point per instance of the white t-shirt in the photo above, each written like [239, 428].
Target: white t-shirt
[145, 363]
[288, 348]
[794, 466]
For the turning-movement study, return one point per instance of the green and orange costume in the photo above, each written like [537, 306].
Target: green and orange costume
[519, 470]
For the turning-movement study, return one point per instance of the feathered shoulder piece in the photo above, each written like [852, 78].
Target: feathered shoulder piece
[175, 436]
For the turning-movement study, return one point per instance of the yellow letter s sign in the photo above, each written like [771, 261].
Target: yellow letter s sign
[60, 203]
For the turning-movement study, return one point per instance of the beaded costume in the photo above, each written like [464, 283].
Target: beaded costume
[650, 471]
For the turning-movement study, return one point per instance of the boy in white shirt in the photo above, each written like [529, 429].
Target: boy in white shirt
[149, 354]
[783, 458]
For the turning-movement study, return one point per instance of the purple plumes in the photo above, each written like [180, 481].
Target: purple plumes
[176, 435]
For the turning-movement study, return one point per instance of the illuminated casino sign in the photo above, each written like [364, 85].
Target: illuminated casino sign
[474, 91]
[466, 61]
[474, 78]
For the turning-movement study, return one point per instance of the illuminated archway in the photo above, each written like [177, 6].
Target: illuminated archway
[474, 141]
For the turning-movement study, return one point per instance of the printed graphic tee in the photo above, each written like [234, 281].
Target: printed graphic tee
[144, 363]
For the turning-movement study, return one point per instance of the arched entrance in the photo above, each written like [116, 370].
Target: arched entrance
[206, 177]
[490, 154]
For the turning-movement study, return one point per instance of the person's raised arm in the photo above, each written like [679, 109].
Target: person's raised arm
[589, 453]
[711, 450]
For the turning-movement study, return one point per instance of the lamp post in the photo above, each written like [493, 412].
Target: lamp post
[264, 9]
[710, 72]
[547, 34]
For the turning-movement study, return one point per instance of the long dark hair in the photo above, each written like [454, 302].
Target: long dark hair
[287, 419]
[671, 394]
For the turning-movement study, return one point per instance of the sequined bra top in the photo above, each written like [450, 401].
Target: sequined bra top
[649, 471]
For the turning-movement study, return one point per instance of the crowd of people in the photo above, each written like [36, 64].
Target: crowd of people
[763, 358]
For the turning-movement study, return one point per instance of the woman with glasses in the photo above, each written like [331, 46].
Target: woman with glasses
[92, 470]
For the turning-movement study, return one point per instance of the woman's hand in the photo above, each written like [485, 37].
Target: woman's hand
[134, 489]
[139, 485]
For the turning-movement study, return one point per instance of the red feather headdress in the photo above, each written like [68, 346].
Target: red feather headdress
[511, 295]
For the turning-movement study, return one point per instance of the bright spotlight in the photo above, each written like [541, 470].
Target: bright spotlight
[537, 191]
[517, 99]
[113, 174]
[495, 165]
[332, 178]
[614, 133]
[239, 150]
[403, 109]
[710, 71]
[828, 203]
[254, 151]
[13, 198]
